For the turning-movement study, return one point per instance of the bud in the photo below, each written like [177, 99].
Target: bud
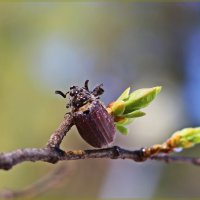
[185, 138]
[117, 107]
[127, 107]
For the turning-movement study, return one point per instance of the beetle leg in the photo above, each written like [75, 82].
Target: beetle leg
[61, 93]
[86, 85]
[98, 90]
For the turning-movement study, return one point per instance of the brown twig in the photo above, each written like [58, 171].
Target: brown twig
[58, 135]
[176, 159]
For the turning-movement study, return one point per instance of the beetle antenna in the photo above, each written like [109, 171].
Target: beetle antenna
[61, 93]
[86, 85]
[98, 90]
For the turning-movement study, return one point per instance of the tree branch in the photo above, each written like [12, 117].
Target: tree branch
[8, 160]
[52, 153]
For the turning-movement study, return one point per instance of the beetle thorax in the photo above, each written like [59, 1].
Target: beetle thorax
[79, 97]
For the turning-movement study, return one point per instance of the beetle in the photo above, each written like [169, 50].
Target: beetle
[94, 124]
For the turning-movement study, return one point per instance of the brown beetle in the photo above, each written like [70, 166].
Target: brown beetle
[94, 123]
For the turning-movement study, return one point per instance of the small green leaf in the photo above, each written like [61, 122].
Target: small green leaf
[124, 95]
[134, 114]
[118, 108]
[123, 130]
[141, 98]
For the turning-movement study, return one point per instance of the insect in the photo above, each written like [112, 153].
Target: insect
[94, 123]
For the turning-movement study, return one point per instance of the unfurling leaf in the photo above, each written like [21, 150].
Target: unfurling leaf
[124, 95]
[134, 114]
[141, 98]
[123, 130]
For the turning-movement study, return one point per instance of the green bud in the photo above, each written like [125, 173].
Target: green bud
[118, 107]
[134, 114]
[186, 138]
[124, 95]
[123, 130]
[141, 98]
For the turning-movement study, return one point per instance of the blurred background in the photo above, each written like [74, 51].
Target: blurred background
[49, 46]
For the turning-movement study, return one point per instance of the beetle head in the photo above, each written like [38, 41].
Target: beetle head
[79, 96]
